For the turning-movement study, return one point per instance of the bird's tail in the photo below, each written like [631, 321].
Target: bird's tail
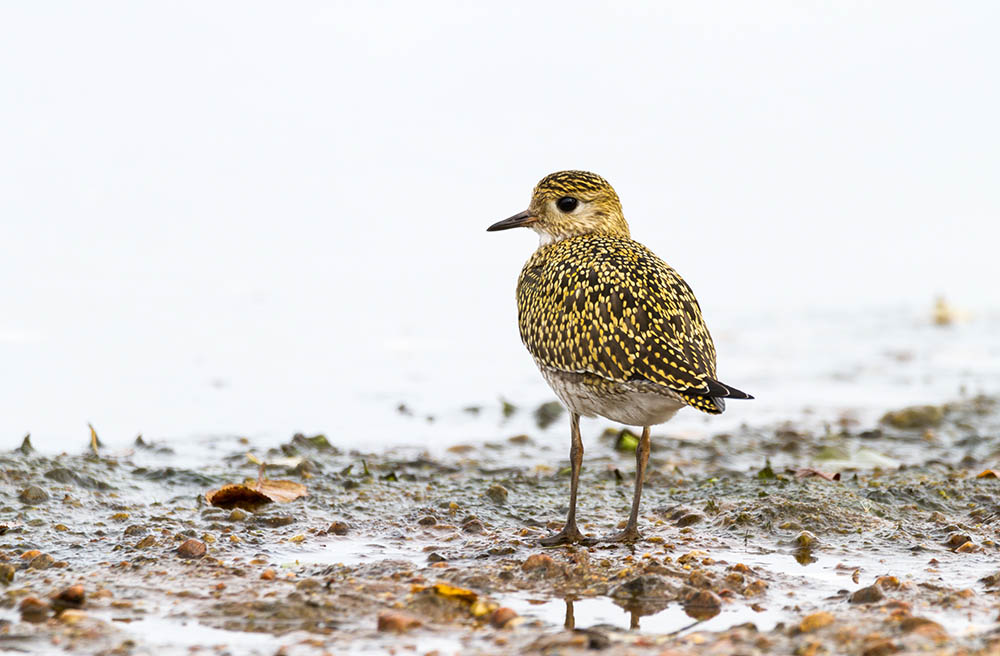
[713, 402]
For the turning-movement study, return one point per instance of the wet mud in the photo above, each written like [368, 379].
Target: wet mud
[789, 539]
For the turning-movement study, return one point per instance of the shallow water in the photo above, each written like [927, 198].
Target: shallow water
[813, 369]
[353, 551]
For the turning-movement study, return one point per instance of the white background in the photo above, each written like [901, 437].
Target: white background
[265, 217]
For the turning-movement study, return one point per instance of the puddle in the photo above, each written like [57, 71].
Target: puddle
[416, 644]
[164, 635]
[353, 551]
[822, 583]
[795, 590]
[602, 612]
[177, 636]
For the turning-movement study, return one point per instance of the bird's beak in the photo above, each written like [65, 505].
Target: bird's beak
[516, 221]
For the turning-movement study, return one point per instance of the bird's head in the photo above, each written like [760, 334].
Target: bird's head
[568, 204]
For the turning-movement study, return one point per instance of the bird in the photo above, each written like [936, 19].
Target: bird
[614, 330]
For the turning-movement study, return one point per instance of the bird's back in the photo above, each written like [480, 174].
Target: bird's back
[608, 306]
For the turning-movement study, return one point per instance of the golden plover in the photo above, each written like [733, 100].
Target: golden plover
[613, 329]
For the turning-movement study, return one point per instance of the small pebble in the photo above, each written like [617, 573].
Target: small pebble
[502, 616]
[72, 616]
[473, 526]
[34, 609]
[699, 579]
[33, 494]
[689, 519]
[815, 621]
[926, 628]
[703, 605]
[308, 584]
[956, 540]
[146, 542]
[805, 540]
[268, 575]
[191, 548]
[338, 528]
[275, 521]
[72, 597]
[497, 494]
[41, 561]
[755, 588]
[880, 648]
[868, 595]
[6, 573]
[397, 621]
[911, 623]
[888, 583]
[538, 561]
[238, 515]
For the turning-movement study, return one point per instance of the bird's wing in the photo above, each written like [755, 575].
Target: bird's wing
[609, 306]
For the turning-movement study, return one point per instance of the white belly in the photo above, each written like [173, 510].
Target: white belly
[625, 403]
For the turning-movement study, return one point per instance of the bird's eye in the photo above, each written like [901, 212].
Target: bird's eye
[567, 204]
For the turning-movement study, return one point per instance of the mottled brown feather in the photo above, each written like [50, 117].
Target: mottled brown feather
[606, 305]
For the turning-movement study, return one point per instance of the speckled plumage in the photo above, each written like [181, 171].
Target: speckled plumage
[606, 306]
[613, 329]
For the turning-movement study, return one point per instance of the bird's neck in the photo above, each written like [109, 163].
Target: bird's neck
[546, 237]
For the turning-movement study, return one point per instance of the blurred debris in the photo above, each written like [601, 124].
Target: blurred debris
[916, 416]
[547, 413]
[945, 314]
[806, 472]
[95, 442]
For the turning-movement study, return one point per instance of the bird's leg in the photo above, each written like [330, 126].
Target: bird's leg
[570, 533]
[631, 532]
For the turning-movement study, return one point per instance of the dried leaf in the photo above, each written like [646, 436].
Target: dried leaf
[806, 472]
[451, 592]
[237, 496]
[280, 491]
[287, 461]
[94, 441]
[251, 495]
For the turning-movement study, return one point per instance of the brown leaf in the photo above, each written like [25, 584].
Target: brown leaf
[806, 472]
[237, 496]
[281, 491]
[252, 495]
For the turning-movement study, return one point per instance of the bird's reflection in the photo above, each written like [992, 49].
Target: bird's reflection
[570, 621]
[639, 607]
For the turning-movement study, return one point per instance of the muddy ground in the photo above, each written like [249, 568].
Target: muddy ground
[748, 547]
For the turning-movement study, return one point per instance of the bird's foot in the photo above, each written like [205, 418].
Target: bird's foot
[568, 535]
[628, 536]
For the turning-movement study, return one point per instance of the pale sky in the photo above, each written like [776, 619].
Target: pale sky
[282, 179]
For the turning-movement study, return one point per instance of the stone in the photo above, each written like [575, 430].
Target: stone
[191, 548]
[32, 495]
[397, 621]
[868, 595]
